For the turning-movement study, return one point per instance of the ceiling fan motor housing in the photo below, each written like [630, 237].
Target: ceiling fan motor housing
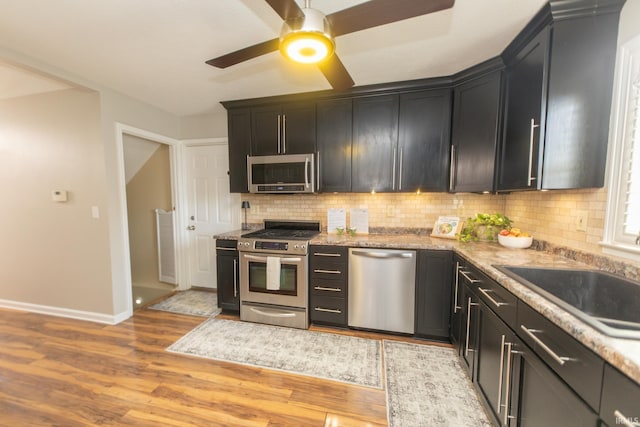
[307, 39]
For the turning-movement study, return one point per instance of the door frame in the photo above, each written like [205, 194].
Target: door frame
[175, 165]
[184, 144]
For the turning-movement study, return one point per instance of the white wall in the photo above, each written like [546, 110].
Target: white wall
[54, 254]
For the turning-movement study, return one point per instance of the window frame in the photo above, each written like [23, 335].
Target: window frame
[614, 242]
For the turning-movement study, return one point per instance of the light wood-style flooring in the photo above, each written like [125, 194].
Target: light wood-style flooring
[64, 372]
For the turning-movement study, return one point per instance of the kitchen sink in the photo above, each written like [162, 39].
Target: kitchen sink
[605, 301]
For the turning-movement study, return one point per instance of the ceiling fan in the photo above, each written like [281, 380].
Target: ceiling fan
[308, 35]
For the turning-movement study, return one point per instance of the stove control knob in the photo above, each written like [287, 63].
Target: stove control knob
[246, 243]
[303, 247]
[296, 247]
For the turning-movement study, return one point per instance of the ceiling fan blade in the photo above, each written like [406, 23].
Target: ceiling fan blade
[287, 9]
[379, 12]
[245, 54]
[336, 74]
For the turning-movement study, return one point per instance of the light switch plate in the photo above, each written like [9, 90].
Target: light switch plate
[59, 195]
[581, 220]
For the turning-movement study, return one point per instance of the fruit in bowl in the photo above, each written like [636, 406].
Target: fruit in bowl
[514, 238]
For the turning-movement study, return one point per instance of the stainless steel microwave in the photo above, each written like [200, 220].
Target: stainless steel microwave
[287, 173]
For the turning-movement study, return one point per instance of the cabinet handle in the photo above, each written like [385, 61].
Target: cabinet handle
[393, 170]
[501, 373]
[284, 134]
[485, 292]
[400, 173]
[235, 278]
[507, 390]
[561, 360]
[323, 288]
[318, 173]
[452, 168]
[625, 421]
[328, 310]
[465, 274]
[248, 174]
[279, 134]
[533, 126]
[327, 271]
[306, 172]
[226, 249]
[326, 254]
[466, 341]
[456, 307]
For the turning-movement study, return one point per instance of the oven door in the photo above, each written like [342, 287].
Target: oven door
[288, 288]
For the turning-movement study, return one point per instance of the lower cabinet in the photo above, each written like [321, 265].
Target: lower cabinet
[328, 273]
[433, 294]
[228, 275]
[620, 399]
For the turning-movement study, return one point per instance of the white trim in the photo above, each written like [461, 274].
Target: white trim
[65, 312]
[616, 152]
[204, 141]
[175, 160]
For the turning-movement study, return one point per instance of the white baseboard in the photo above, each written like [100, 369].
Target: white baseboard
[65, 312]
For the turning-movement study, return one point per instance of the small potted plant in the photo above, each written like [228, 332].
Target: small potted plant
[484, 227]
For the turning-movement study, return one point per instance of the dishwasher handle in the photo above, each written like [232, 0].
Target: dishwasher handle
[383, 255]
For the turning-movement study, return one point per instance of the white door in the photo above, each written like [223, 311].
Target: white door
[211, 209]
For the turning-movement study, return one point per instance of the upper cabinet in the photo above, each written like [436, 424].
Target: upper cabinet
[559, 88]
[374, 144]
[334, 121]
[283, 129]
[475, 132]
[239, 126]
[423, 141]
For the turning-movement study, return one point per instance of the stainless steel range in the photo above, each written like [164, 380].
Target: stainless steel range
[274, 273]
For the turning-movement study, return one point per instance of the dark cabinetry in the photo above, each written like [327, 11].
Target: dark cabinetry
[375, 139]
[423, 141]
[433, 294]
[283, 129]
[239, 127]
[559, 88]
[620, 399]
[334, 127]
[228, 275]
[328, 274]
[475, 133]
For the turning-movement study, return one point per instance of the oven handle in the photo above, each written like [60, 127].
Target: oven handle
[264, 258]
[273, 313]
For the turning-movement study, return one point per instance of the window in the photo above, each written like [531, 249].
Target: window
[622, 231]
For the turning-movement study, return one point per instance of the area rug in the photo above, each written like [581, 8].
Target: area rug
[426, 386]
[335, 357]
[195, 303]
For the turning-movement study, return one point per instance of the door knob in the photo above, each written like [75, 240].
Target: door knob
[191, 227]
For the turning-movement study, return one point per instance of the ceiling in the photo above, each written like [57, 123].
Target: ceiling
[154, 50]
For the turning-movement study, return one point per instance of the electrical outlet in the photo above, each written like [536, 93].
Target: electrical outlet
[581, 220]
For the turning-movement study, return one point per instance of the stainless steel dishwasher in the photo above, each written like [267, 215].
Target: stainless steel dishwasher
[382, 289]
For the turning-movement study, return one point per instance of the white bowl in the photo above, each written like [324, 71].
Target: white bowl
[515, 242]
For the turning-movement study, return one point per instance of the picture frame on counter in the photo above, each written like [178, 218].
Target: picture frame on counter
[447, 227]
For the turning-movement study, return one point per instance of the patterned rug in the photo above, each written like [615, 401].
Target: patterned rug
[195, 303]
[426, 386]
[323, 355]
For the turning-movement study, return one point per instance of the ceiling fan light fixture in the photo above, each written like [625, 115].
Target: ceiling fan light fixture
[307, 40]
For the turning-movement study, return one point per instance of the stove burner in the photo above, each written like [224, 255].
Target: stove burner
[282, 234]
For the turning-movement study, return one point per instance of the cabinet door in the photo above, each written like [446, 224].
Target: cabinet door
[474, 139]
[375, 138]
[494, 337]
[228, 281]
[525, 112]
[298, 128]
[239, 125]
[266, 130]
[423, 141]
[620, 399]
[334, 128]
[538, 397]
[433, 294]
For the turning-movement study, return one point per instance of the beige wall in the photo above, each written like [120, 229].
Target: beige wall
[54, 254]
[148, 190]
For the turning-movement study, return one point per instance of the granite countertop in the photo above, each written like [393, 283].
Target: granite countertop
[623, 354]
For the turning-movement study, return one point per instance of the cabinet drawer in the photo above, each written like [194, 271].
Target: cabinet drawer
[328, 310]
[329, 272]
[572, 361]
[328, 288]
[503, 302]
[326, 254]
[620, 399]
